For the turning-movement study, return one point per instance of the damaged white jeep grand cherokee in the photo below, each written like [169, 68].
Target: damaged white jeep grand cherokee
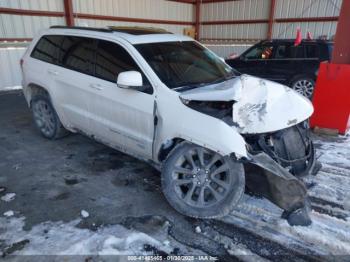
[167, 99]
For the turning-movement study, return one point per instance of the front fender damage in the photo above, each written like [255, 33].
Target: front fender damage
[266, 177]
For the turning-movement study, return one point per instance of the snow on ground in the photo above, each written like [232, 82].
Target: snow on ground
[8, 197]
[10, 88]
[334, 151]
[58, 238]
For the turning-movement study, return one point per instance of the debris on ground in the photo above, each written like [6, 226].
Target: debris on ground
[17, 166]
[15, 247]
[198, 230]
[2, 190]
[84, 214]
[8, 197]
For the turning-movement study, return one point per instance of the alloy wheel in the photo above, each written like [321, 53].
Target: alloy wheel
[201, 178]
[44, 117]
[304, 87]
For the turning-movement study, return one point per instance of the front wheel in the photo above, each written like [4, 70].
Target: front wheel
[201, 183]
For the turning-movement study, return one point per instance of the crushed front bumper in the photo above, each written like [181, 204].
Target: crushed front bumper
[266, 177]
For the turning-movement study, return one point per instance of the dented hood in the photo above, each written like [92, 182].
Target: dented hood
[261, 106]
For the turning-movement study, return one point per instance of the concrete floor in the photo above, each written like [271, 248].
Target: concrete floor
[55, 180]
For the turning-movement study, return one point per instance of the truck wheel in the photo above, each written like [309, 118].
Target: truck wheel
[46, 118]
[201, 183]
[304, 85]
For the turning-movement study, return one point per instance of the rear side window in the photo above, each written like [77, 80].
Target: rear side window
[112, 59]
[289, 51]
[311, 51]
[77, 53]
[297, 51]
[47, 49]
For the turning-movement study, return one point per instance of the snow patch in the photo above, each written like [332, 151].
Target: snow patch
[8, 197]
[9, 213]
[58, 238]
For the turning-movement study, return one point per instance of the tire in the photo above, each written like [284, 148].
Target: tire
[46, 119]
[292, 144]
[201, 183]
[304, 85]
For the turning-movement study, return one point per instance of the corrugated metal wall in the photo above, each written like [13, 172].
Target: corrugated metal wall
[305, 9]
[151, 9]
[43, 5]
[235, 10]
[229, 49]
[20, 26]
[10, 72]
[146, 9]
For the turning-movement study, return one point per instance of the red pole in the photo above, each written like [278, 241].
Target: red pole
[341, 51]
[198, 17]
[68, 12]
[271, 19]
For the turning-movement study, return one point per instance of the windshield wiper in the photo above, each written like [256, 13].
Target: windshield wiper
[187, 87]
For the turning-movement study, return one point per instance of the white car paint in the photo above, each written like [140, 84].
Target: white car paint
[123, 118]
[261, 106]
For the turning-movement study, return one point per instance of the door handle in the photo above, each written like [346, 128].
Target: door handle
[96, 86]
[52, 72]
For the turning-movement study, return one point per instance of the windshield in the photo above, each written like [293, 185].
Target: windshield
[184, 64]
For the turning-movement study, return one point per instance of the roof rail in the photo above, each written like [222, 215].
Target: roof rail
[105, 30]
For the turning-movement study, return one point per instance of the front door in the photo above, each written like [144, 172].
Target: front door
[255, 60]
[122, 118]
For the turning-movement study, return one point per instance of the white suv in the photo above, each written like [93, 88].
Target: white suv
[167, 99]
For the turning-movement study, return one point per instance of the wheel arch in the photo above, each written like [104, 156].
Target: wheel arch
[292, 79]
[32, 90]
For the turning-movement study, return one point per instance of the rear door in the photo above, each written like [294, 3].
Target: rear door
[73, 79]
[122, 118]
[287, 62]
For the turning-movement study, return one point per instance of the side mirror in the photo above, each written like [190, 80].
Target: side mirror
[130, 80]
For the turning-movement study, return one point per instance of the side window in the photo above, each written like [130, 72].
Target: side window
[112, 59]
[312, 51]
[260, 52]
[282, 52]
[297, 51]
[47, 49]
[77, 53]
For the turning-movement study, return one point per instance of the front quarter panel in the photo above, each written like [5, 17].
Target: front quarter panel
[179, 121]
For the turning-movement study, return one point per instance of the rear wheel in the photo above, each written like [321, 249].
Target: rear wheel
[201, 183]
[304, 85]
[46, 118]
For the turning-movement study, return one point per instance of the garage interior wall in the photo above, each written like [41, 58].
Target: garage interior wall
[225, 26]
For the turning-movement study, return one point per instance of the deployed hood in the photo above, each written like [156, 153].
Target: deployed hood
[260, 106]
